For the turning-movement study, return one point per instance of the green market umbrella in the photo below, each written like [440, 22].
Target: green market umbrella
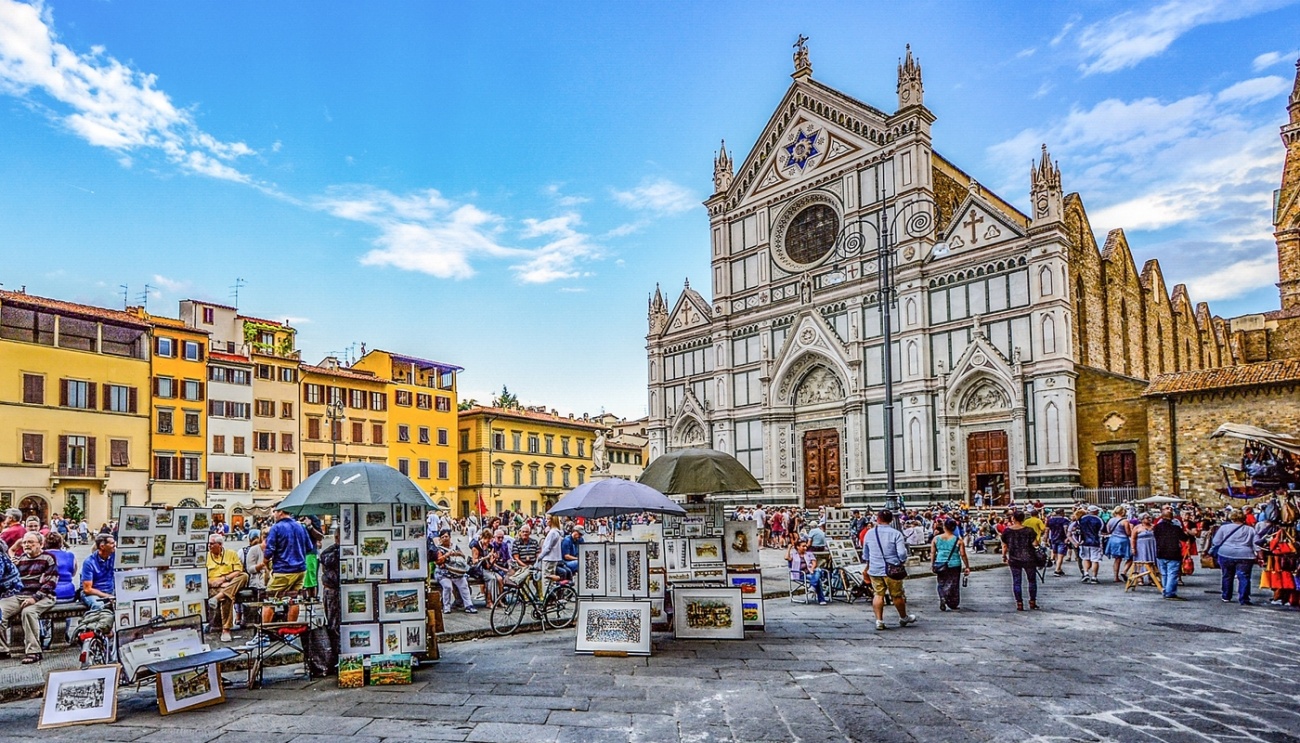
[698, 472]
[353, 483]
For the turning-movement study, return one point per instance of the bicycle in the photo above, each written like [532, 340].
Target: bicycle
[95, 632]
[556, 608]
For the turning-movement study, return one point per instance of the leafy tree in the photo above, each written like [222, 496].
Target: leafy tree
[467, 404]
[72, 510]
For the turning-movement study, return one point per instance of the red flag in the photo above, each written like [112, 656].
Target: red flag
[482, 505]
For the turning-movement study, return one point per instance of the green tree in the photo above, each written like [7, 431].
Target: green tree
[506, 399]
[467, 404]
[72, 510]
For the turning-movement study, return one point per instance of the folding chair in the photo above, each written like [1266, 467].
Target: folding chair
[798, 584]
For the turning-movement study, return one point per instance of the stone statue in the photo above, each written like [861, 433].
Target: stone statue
[599, 460]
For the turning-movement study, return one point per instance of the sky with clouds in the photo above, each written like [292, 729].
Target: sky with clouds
[501, 185]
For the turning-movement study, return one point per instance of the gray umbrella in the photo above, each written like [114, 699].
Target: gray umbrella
[698, 472]
[353, 482]
[613, 496]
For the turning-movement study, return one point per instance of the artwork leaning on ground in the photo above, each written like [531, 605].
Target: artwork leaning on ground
[614, 626]
[708, 613]
[80, 697]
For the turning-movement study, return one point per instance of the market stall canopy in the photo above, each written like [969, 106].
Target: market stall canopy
[1157, 499]
[611, 497]
[698, 472]
[1283, 441]
[353, 482]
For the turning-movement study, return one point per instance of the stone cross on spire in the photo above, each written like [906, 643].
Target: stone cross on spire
[802, 67]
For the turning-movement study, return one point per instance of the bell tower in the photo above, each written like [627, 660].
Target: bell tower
[1286, 215]
[1045, 190]
[910, 90]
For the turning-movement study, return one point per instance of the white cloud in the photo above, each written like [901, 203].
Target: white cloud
[554, 191]
[1196, 174]
[623, 230]
[1127, 39]
[1024, 53]
[171, 285]
[657, 195]
[1268, 59]
[101, 100]
[428, 233]
[1235, 280]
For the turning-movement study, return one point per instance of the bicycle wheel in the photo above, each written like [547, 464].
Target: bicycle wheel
[561, 607]
[508, 612]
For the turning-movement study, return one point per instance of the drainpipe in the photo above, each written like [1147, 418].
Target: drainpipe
[1173, 443]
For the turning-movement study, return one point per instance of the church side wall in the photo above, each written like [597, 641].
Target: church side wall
[1112, 417]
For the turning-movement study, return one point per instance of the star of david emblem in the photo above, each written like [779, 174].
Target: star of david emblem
[803, 149]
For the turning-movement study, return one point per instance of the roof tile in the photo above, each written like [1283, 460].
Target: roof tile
[1245, 375]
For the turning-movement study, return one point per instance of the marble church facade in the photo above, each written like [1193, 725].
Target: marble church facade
[995, 314]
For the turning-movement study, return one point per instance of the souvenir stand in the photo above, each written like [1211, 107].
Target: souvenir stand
[618, 583]
[383, 568]
[711, 564]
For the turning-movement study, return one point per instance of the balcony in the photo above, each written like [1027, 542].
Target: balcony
[64, 470]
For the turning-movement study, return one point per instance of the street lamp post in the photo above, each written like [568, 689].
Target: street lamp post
[334, 413]
[852, 245]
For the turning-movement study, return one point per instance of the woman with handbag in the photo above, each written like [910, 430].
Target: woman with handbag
[1118, 544]
[1234, 547]
[949, 561]
[1020, 553]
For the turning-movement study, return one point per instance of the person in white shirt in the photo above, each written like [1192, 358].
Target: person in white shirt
[760, 515]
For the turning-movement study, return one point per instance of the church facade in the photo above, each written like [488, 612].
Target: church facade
[1009, 331]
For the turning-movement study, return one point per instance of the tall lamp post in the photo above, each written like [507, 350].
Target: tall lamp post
[916, 214]
[334, 413]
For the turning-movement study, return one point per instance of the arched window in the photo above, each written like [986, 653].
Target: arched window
[1052, 417]
[913, 359]
[1080, 320]
[914, 445]
[1049, 334]
[1045, 282]
[911, 312]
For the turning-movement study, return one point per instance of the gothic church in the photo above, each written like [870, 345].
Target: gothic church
[1003, 324]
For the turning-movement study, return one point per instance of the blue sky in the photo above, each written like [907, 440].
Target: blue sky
[500, 185]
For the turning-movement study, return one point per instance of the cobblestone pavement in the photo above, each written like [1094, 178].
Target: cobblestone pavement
[1095, 664]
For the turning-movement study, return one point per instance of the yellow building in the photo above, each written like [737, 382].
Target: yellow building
[74, 398]
[421, 418]
[275, 410]
[344, 416]
[179, 425]
[533, 457]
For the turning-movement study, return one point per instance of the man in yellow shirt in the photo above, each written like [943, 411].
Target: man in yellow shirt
[226, 576]
[1033, 522]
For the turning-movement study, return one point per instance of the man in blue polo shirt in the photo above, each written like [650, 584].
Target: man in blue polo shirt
[97, 573]
[286, 549]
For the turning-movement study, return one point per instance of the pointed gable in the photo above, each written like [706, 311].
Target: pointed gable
[691, 312]
[977, 224]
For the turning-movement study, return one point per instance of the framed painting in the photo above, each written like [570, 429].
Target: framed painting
[751, 597]
[708, 614]
[414, 639]
[200, 522]
[130, 557]
[375, 543]
[617, 626]
[675, 554]
[704, 551]
[347, 524]
[410, 560]
[141, 583]
[346, 569]
[191, 688]
[374, 518]
[146, 610]
[633, 570]
[657, 581]
[358, 602]
[135, 522]
[374, 568]
[653, 536]
[391, 637]
[593, 569]
[359, 639]
[741, 541]
[415, 514]
[415, 530]
[401, 601]
[164, 520]
[657, 615]
[169, 607]
[80, 697]
[390, 669]
[352, 671]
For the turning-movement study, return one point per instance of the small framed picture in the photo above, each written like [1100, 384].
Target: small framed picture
[347, 524]
[415, 514]
[163, 520]
[80, 697]
[401, 601]
[359, 639]
[415, 530]
[705, 552]
[124, 617]
[346, 570]
[376, 568]
[414, 639]
[708, 614]
[130, 557]
[595, 579]
[194, 608]
[358, 601]
[375, 543]
[633, 570]
[392, 637]
[347, 550]
[410, 560]
[135, 521]
[189, 689]
[141, 583]
[399, 533]
[182, 562]
[374, 518]
[146, 610]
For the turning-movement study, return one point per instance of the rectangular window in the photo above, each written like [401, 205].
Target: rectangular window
[237, 445]
[192, 350]
[165, 347]
[749, 446]
[313, 466]
[403, 433]
[498, 439]
[1031, 425]
[34, 448]
[290, 375]
[228, 409]
[564, 478]
[311, 393]
[464, 440]
[533, 444]
[218, 444]
[263, 478]
[1018, 288]
[404, 466]
[532, 476]
[442, 438]
[191, 423]
[747, 388]
[357, 399]
[264, 408]
[442, 470]
[424, 434]
[744, 273]
[402, 398]
[747, 350]
[190, 468]
[876, 437]
[377, 434]
[164, 467]
[378, 401]
[165, 421]
[286, 479]
[286, 410]
[423, 401]
[264, 371]
[358, 433]
[263, 441]
[286, 442]
[313, 429]
[550, 444]
[164, 387]
[564, 445]
[550, 477]
[464, 473]
[192, 389]
[207, 316]
[117, 398]
[118, 452]
[33, 389]
[582, 475]
[424, 469]
[443, 403]
[582, 448]
[77, 394]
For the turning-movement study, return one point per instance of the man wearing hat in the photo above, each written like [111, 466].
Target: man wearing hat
[1090, 527]
[286, 549]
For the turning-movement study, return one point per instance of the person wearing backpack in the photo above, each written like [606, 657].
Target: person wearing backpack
[949, 561]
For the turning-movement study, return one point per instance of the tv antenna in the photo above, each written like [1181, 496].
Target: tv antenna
[126, 295]
[144, 296]
[234, 290]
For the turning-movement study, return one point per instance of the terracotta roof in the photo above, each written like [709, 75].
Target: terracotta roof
[520, 414]
[345, 373]
[1245, 375]
[231, 357]
[260, 320]
[31, 301]
[171, 322]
